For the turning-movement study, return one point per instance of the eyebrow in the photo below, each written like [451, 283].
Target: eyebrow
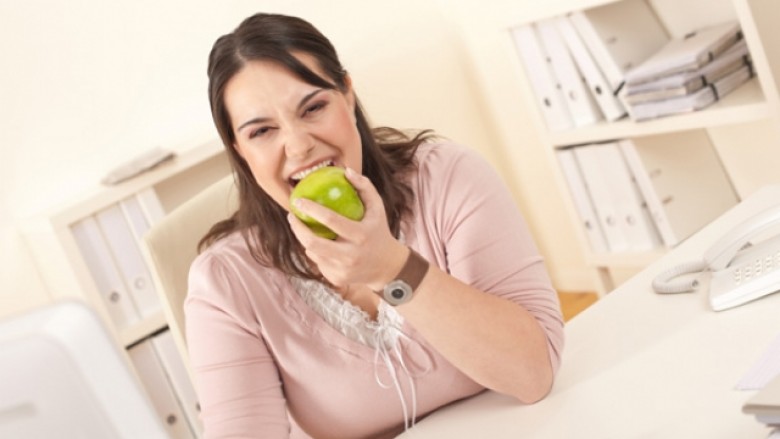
[301, 104]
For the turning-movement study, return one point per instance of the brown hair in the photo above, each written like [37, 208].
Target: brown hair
[387, 153]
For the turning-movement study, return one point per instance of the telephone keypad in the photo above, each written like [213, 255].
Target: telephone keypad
[757, 268]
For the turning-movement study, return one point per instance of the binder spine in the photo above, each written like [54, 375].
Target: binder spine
[598, 86]
[544, 84]
[581, 104]
[100, 262]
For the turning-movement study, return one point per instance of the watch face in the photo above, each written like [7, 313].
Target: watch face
[397, 292]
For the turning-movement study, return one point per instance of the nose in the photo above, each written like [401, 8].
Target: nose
[298, 144]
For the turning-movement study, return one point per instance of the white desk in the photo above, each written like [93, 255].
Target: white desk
[640, 365]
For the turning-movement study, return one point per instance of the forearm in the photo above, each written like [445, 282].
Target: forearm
[497, 343]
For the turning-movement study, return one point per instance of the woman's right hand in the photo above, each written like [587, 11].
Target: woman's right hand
[365, 252]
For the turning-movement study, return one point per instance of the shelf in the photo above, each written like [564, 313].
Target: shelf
[102, 196]
[625, 260]
[506, 14]
[745, 104]
[143, 329]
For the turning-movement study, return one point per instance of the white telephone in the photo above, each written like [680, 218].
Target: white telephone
[741, 270]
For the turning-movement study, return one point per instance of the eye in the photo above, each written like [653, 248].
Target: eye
[259, 132]
[315, 107]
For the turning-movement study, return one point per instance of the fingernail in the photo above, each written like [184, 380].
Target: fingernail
[349, 172]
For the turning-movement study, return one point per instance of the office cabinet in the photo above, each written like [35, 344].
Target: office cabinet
[90, 249]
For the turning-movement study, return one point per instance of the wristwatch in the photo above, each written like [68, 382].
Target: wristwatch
[401, 289]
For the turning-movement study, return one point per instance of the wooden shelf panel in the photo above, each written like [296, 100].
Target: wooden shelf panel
[143, 329]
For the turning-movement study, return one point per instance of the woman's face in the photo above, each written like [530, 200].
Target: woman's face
[285, 127]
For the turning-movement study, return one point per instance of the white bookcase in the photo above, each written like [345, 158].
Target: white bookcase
[743, 128]
[90, 249]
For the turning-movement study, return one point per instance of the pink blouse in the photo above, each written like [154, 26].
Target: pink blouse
[258, 350]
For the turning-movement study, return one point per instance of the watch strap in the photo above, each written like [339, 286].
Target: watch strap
[414, 270]
[401, 289]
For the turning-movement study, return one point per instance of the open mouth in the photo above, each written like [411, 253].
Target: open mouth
[298, 176]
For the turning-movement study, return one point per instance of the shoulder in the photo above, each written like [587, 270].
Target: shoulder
[227, 267]
[445, 166]
[444, 154]
[232, 247]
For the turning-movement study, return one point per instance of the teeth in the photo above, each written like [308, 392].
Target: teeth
[299, 175]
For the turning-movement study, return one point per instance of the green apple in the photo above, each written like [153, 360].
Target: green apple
[327, 186]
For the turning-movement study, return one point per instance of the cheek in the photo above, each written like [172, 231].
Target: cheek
[265, 175]
[347, 129]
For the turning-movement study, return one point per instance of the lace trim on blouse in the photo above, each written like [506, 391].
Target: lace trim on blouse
[383, 335]
[348, 319]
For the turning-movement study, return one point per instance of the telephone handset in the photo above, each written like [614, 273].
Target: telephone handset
[741, 270]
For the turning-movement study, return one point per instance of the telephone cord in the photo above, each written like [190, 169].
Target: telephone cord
[665, 283]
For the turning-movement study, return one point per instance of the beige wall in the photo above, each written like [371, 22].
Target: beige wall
[89, 84]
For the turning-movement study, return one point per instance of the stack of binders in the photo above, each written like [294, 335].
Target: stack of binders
[637, 195]
[688, 73]
[109, 242]
[576, 63]
[613, 212]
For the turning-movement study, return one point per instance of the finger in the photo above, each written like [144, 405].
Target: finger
[365, 189]
[300, 230]
[339, 224]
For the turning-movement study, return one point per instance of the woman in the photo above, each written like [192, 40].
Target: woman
[435, 295]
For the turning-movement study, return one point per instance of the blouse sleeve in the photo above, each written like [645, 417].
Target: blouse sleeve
[487, 243]
[237, 382]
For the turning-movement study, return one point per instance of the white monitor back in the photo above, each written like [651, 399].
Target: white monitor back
[61, 376]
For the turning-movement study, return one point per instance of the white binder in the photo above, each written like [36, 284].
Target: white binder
[620, 36]
[126, 253]
[688, 53]
[135, 216]
[179, 378]
[582, 202]
[655, 203]
[633, 214]
[588, 160]
[582, 107]
[546, 87]
[152, 374]
[599, 87]
[108, 280]
[682, 180]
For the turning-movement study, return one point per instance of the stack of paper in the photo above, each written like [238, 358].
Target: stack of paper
[687, 82]
[688, 73]
[765, 405]
[687, 53]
